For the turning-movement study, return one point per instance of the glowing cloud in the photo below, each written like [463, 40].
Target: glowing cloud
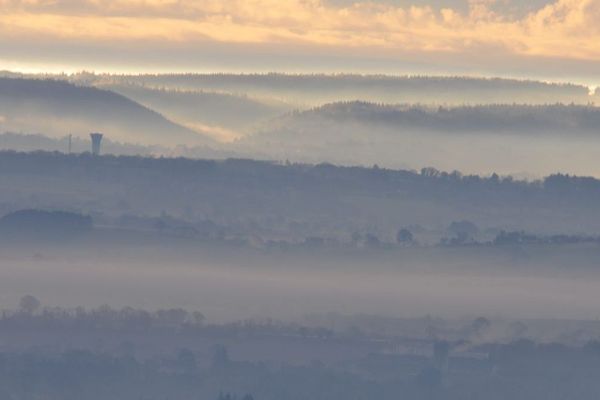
[566, 29]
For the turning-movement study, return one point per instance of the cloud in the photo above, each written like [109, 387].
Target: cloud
[566, 29]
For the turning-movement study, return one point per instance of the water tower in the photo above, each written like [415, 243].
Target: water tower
[96, 141]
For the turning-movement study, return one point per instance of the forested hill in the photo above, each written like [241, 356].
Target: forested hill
[517, 119]
[320, 197]
[386, 88]
[56, 108]
[199, 107]
[508, 139]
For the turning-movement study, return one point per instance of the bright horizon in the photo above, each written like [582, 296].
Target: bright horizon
[34, 69]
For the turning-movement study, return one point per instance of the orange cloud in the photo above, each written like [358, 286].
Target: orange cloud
[565, 29]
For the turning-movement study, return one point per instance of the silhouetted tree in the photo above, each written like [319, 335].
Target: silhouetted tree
[404, 236]
[29, 304]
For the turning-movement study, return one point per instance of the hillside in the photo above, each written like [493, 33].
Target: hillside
[517, 119]
[318, 89]
[56, 108]
[225, 115]
[312, 199]
[512, 139]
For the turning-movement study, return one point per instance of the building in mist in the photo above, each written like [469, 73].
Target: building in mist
[96, 141]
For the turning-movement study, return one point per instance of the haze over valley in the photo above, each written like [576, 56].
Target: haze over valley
[299, 200]
[523, 128]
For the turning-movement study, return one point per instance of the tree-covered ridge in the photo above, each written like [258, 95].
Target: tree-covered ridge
[226, 116]
[322, 176]
[517, 119]
[316, 88]
[56, 107]
[324, 82]
[312, 199]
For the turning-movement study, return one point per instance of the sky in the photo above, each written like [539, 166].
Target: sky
[543, 39]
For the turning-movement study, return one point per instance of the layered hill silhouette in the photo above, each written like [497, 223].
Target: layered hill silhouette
[223, 114]
[507, 138]
[511, 118]
[534, 128]
[317, 89]
[57, 108]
